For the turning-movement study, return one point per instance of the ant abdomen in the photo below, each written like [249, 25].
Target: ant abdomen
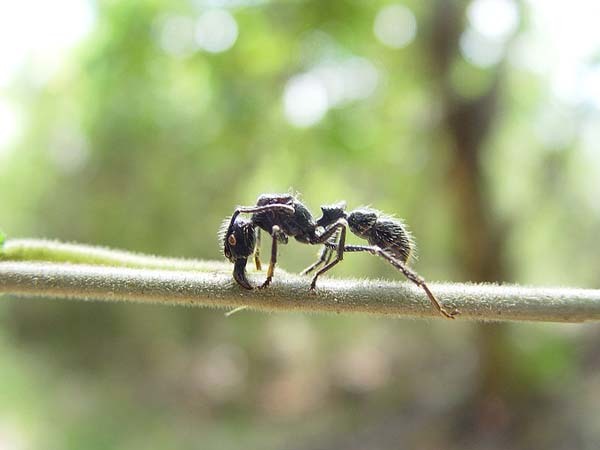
[392, 235]
[385, 232]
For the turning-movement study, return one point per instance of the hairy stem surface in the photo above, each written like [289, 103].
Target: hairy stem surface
[49, 269]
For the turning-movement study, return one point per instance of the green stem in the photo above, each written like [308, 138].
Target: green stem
[60, 252]
[54, 270]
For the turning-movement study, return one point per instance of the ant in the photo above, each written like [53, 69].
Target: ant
[283, 215]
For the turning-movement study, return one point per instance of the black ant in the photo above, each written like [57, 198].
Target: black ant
[283, 215]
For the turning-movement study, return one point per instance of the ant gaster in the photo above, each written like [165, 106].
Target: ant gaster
[283, 215]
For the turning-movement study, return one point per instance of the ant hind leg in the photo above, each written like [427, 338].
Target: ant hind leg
[408, 273]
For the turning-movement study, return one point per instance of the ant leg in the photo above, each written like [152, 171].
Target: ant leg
[329, 256]
[274, 206]
[340, 226]
[408, 273]
[255, 209]
[274, 232]
[335, 239]
[257, 251]
[419, 281]
[324, 257]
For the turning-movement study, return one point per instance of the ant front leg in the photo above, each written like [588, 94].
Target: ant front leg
[275, 232]
[340, 226]
[256, 209]
[408, 273]
[239, 240]
[275, 206]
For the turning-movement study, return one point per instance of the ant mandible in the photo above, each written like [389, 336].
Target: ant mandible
[283, 215]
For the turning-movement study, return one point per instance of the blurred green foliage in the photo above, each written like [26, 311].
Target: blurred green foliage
[130, 146]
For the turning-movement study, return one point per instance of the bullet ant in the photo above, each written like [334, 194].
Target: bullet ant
[283, 215]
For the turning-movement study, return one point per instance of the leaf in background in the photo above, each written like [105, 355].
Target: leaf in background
[2, 238]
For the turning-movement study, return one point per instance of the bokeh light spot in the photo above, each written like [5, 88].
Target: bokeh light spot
[491, 24]
[309, 96]
[395, 26]
[216, 31]
[305, 100]
[351, 79]
[10, 125]
[69, 149]
[177, 36]
[590, 86]
[479, 50]
[40, 33]
[494, 19]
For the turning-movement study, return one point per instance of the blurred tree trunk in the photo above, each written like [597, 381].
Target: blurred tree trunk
[468, 122]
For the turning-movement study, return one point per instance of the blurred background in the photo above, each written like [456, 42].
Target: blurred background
[141, 124]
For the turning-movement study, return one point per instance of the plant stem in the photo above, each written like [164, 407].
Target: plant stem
[61, 252]
[109, 275]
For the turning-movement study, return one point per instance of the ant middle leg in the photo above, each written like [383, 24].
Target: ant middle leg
[408, 273]
[324, 256]
[339, 226]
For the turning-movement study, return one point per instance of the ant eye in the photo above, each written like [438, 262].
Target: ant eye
[232, 240]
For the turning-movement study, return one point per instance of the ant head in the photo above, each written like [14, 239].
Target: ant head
[331, 213]
[238, 240]
[362, 220]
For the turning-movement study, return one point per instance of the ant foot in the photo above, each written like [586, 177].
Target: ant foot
[448, 314]
[265, 284]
